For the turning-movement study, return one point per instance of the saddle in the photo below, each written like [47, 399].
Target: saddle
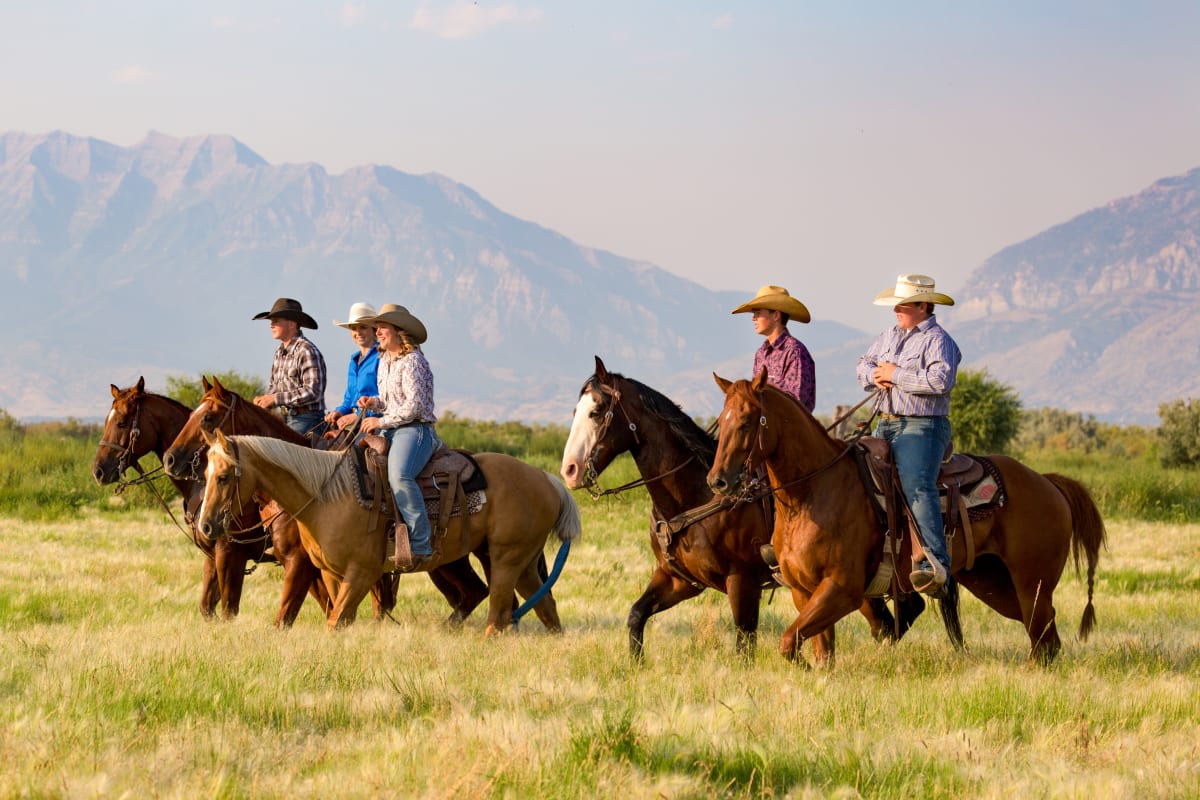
[452, 485]
[970, 489]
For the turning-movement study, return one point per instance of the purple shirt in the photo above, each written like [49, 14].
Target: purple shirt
[790, 367]
[926, 360]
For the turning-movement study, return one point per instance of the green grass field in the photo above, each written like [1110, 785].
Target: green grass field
[113, 686]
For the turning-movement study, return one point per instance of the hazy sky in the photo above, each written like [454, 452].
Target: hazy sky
[825, 146]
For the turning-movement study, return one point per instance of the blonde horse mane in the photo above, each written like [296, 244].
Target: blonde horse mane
[327, 476]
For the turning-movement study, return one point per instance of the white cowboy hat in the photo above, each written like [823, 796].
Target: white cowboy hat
[912, 289]
[359, 313]
[399, 316]
[776, 298]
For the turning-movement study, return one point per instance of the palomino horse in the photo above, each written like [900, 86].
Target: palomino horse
[141, 423]
[523, 505]
[716, 547]
[829, 543]
[224, 408]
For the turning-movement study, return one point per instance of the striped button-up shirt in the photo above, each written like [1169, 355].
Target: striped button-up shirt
[790, 367]
[298, 376]
[926, 360]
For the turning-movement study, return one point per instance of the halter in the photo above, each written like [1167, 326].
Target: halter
[200, 448]
[126, 451]
[589, 464]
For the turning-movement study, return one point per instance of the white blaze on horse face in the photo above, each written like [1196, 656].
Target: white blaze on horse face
[112, 413]
[580, 441]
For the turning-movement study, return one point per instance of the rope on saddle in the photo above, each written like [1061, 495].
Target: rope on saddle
[544, 589]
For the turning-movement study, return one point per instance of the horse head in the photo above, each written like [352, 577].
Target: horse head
[594, 441]
[745, 438]
[123, 441]
[184, 458]
[222, 478]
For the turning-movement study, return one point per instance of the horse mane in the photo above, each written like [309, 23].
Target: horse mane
[683, 427]
[272, 421]
[172, 402]
[325, 475]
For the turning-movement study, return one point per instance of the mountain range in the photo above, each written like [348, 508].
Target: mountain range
[151, 260]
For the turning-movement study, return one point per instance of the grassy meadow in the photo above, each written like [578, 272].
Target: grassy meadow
[113, 685]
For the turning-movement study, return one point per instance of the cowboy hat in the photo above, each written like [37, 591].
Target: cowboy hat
[399, 316]
[912, 289]
[287, 308]
[776, 298]
[359, 313]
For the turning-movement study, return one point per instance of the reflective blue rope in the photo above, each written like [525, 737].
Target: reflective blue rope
[537, 596]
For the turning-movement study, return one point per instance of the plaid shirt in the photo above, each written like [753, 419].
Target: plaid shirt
[298, 376]
[926, 360]
[790, 367]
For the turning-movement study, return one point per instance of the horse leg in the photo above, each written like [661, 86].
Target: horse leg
[819, 612]
[383, 595]
[210, 588]
[547, 609]
[502, 585]
[1037, 608]
[460, 584]
[231, 573]
[745, 594]
[351, 591]
[663, 592]
[300, 577]
[909, 606]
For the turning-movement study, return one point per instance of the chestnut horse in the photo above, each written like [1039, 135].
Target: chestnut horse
[718, 550]
[225, 408]
[829, 543]
[141, 422]
[523, 505]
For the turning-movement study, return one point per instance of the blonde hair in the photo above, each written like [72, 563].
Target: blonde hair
[407, 343]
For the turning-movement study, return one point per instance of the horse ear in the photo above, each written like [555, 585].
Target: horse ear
[722, 383]
[141, 385]
[217, 385]
[204, 382]
[601, 370]
[222, 440]
[116, 392]
[760, 381]
[209, 439]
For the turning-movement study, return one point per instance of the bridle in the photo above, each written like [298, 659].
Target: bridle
[591, 476]
[126, 451]
[201, 447]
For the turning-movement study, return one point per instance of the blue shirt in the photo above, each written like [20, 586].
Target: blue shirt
[926, 360]
[361, 380]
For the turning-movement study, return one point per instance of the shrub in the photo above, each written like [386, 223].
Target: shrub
[189, 391]
[985, 414]
[1179, 433]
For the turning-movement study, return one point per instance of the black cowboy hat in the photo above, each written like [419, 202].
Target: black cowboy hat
[287, 308]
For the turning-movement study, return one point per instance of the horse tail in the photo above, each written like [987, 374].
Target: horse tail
[1088, 536]
[948, 608]
[568, 526]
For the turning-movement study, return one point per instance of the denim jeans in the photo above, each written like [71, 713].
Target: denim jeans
[411, 449]
[918, 444]
[303, 423]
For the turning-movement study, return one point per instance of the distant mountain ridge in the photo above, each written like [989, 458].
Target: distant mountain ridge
[151, 259]
[131, 254]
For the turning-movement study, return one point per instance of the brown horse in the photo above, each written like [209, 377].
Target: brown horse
[829, 543]
[226, 409]
[523, 505]
[141, 422]
[720, 550]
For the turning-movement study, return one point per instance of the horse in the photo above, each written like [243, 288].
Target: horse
[141, 422]
[523, 505]
[225, 408]
[714, 547]
[829, 542]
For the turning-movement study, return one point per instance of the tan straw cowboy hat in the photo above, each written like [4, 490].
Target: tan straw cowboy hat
[359, 313]
[287, 308]
[399, 316]
[776, 298]
[912, 289]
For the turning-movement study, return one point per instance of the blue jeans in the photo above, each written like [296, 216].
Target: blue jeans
[303, 423]
[918, 444]
[411, 449]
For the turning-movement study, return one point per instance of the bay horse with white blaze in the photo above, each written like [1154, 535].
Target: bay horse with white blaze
[523, 505]
[224, 408]
[697, 544]
[829, 543]
[141, 422]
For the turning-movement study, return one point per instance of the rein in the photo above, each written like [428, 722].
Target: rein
[593, 477]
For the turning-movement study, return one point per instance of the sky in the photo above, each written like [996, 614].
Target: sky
[825, 147]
